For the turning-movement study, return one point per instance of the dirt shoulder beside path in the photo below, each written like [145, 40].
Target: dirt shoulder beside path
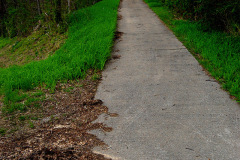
[62, 130]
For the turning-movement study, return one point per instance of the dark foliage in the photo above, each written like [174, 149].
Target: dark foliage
[216, 14]
[21, 17]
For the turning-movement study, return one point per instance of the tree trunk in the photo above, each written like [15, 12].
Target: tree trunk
[39, 8]
[2, 8]
[58, 14]
[69, 6]
[2, 17]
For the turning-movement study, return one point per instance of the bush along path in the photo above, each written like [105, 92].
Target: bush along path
[48, 106]
[168, 107]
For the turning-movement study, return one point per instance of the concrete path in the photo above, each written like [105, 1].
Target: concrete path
[169, 109]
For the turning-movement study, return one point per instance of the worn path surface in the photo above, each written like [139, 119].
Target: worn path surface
[169, 109]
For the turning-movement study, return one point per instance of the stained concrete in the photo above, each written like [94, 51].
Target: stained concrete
[169, 109]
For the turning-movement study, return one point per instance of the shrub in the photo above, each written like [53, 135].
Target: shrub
[215, 14]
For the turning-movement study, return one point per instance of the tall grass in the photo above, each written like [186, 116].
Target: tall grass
[91, 34]
[218, 52]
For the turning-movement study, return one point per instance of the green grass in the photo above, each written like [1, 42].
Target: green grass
[37, 46]
[2, 131]
[218, 52]
[89, 43]
[95, 77]
[31, 125]
[4, 42]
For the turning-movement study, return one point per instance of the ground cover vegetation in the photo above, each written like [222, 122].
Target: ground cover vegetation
[21, 17]
[215, 14]
[210, 30]
[90, 38]
[37, 46]
[4, 41]
[60, 129]
[33, 30]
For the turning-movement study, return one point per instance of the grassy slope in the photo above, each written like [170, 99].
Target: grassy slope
[22, 50]
[218, 52]
[4, 41]
[88, 46]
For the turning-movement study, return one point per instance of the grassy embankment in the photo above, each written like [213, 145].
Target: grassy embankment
[22, 50]
[4, 41]
[218, 52]
[90, 38]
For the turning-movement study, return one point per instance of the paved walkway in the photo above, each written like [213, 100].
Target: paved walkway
[169, 109]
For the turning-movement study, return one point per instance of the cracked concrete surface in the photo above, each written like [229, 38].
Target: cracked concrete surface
[169, 109]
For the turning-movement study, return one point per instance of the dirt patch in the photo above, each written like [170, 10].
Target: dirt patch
[116, 56]
[118, 35]
[119, 17]
[62, 130]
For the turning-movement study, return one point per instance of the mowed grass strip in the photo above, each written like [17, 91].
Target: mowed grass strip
[88, 46]
[218, 52]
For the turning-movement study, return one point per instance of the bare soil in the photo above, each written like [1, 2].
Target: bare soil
[62, 131]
